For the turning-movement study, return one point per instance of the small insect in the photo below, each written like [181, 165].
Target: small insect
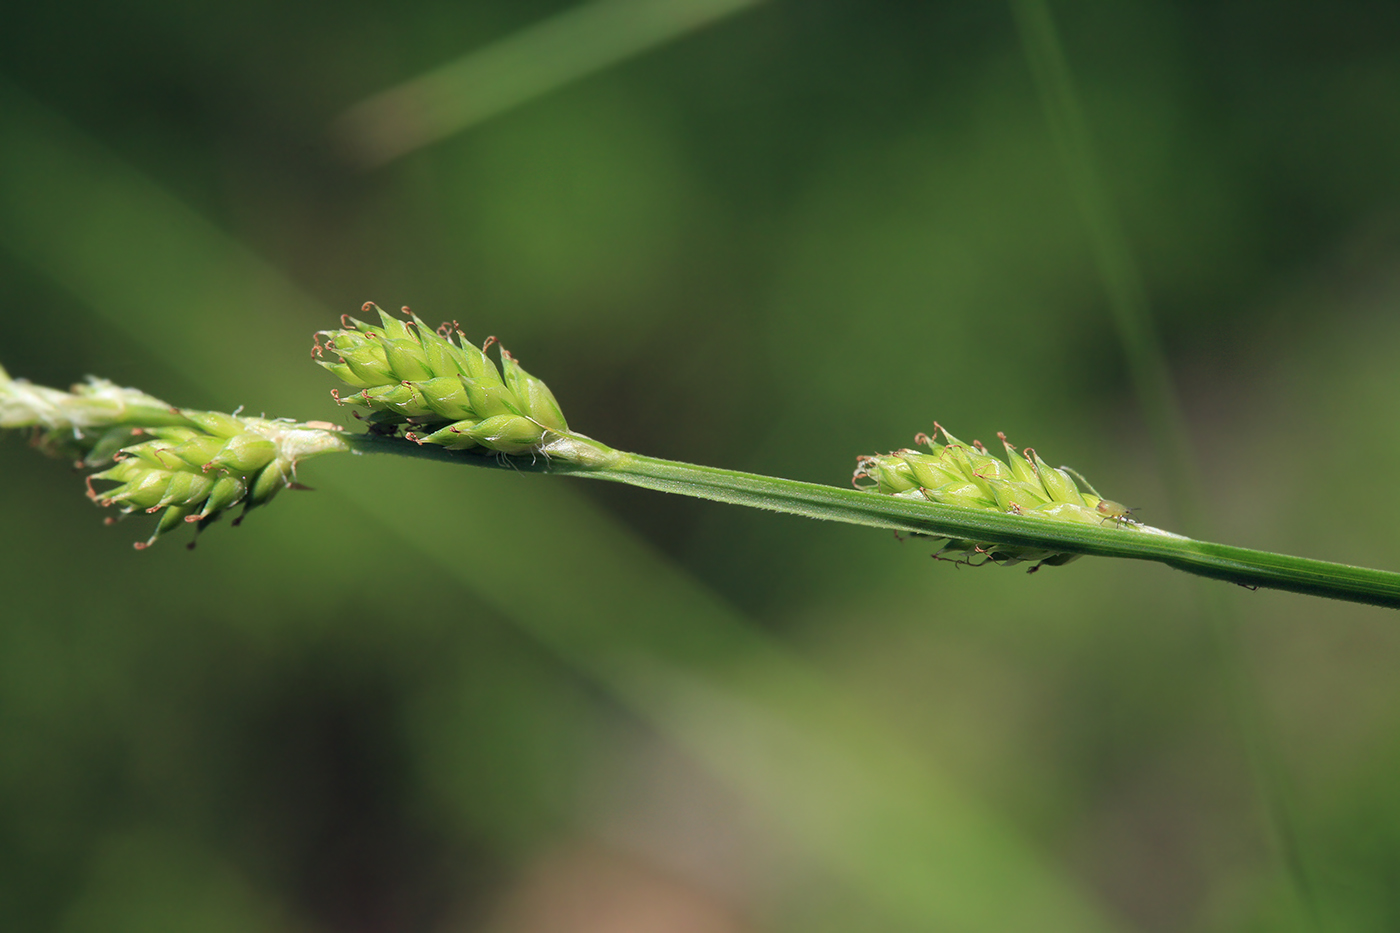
[1115, 511]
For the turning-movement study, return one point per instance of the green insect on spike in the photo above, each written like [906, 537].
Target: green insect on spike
[1114, 511]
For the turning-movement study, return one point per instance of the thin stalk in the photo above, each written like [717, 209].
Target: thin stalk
[1244, 566]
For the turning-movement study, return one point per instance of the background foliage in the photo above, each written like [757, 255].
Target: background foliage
[423, 698]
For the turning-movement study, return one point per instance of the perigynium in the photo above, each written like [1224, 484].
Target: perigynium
[955, 473]
[192, 466]
[431, 393]
[447, 392]
[189, 465]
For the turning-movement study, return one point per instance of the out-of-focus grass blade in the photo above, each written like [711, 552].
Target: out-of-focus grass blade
[1122, 280]
[920, 851]
[130, 250]
[513, 70]
[1157, 394]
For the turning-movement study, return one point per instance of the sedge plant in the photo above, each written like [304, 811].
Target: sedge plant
[432, 393]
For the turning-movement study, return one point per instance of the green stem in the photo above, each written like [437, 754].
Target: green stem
[1244, 566]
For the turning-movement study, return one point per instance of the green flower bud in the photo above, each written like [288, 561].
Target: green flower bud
[985, 466]
[454, 436]
[1057, 482]
[107, 444]
[407, 360]
[186, 488]
[393, 328]
[344, 373]
[170, 518]
[969, 495]
[217, 423]
[536, 401]
[1067, 512]
[446, 396]
[1021, 468]
[199, 450]
[123, 471]
[273, 478]
[891, 473]
[447, 390]
[398, 397]
[189, 465]
[508, 434]
[226, 492]
[1012, 496]
[444, 358]
[243, 454]
[969, 476]
[368, 367]
[195, 476]
[955, 458]
[929, 470]
[143, 490]
[477, 367]
[489, 399]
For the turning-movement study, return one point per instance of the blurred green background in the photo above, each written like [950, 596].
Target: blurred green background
[427, 698]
